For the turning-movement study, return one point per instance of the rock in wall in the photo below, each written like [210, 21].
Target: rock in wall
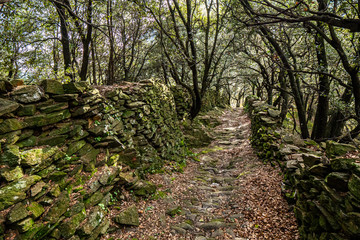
[321, 180]
[65, 149]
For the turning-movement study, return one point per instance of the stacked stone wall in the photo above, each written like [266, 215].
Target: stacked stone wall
[67, 151]
[322, 181]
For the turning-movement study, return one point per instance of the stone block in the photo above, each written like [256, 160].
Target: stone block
[338, 149]
[52, 86]
[354, 185]
[58, 209]
[26, 110]
[7, 106]
[11, 124]
[11, 174]
[17, 213]
[10, 156]
[27, 94]
[129, 217]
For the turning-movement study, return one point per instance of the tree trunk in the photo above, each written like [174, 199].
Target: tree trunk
[322, 111]
[65, 41]
[337, 120]
[110, 70]
[93, 62]
[86, 44]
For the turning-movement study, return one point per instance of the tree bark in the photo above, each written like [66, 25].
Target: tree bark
[86, 44]
[65, 40]
[322, 111]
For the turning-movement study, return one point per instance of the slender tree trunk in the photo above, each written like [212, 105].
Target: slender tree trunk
[322, 111]
[86, 44]
[284, 95]
[196, 107]
[111, 69]
[93, 62]
[269, 92]
[65, 41]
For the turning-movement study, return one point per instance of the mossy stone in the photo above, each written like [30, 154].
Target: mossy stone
[173, 211]
[26, 133]
[25, 225]
[101, 229]
[69, 227]
[143, 188]
[311, 159]
[94, 199]
[74, 147]
[52, 86]
[338, 180]
[58, 209]
[128, 114]
[10, 156]
[17, 213]
[10, 138]
[274, 113]
[320, 170]
[338, 149]
[65, 97]
[55, 233]
[88, 156]
[12, 174]
[93, 220]
[28, 94]
[128, 178]
[36, 156]
[129, 157]
[46, 119]
[55, 191]
[26, 110]
[29, 142]
[75, 209]
[16, 191]
[129, 216]
[108, 175]
[35, 209]
[342, 164]
[58, 140]
[37, 188]
[57, 176]
[354, 186]
[75, 87]
[137, 104]
[54, 107]
[7, 106]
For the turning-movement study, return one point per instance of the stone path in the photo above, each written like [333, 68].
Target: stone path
[228, 194]
[212, 212]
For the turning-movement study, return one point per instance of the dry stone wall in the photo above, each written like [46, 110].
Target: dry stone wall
[322, 181]
[67, 150]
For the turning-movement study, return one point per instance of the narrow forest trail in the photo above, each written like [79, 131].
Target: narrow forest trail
[229, 194]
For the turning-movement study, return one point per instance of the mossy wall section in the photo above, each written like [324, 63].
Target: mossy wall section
[322, 181]
[65, 148]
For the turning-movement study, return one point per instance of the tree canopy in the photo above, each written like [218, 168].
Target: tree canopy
[301, 56]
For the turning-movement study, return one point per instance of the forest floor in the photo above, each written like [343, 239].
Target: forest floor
[228, 194]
